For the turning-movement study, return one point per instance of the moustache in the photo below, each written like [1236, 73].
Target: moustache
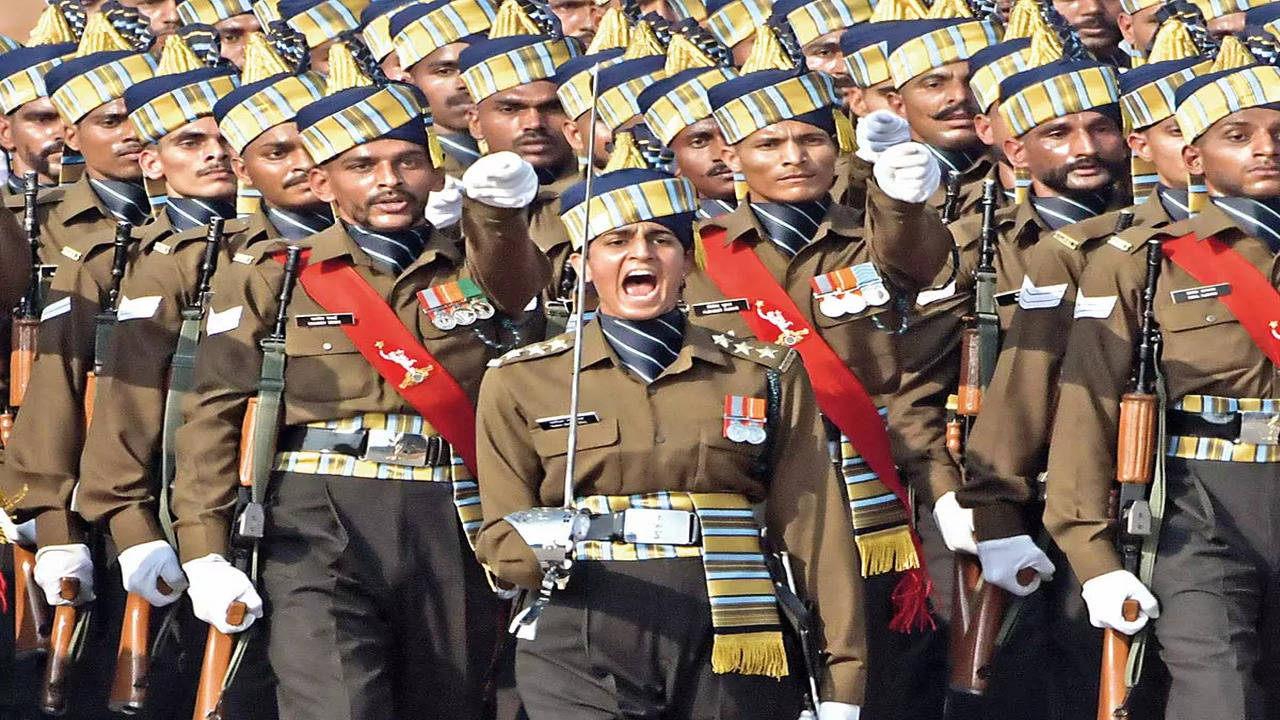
[215, 169]
[718, 168]
[954, 111]
[389, 196]
[1088, 162]
[51, 148]
[294, 180]
[462, 99]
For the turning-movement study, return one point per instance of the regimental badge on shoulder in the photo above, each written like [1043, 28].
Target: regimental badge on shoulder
[849, 291]
[456, 303]
[744, 419]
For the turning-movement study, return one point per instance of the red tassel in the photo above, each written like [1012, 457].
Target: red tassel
[911, 603]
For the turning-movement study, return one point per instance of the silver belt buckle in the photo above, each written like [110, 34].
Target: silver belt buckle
[1260, 428]
[396, 448]
[651, 526]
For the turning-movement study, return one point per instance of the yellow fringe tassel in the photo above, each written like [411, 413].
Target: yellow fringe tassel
[755, 653]
[888, 550]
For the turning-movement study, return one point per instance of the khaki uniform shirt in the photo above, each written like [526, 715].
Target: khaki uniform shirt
[668, 435]
[48, 433]
[1019, 403]
[1205, 351]
[326, 377]
[15, 273]
[908, 246]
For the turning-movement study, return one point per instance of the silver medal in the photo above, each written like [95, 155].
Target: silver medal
[444, 320]
[830, 305]
[738, 432]
[483, 309]
[464, 315]
[853, 302]
[875, 294]
[755, 434]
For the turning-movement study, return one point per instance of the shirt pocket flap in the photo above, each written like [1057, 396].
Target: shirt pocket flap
[1195, 314]
[555, 441]
[312, 341]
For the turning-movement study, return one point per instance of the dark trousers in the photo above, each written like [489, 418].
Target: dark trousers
[379, 610]
[1217, 578]
[632, 639]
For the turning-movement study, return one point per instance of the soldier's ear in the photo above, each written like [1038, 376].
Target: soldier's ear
[150, 162]
[1016, 152]
[72, 136]
[1138, 144]
[237, 166]
[318, 179]
[896, 104]
[857, 101]
[473, 122]
[1193, 159]
[982, 125]
[575, 260]
[571, 133]
[6, 134]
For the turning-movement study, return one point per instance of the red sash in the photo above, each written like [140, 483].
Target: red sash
[1253, 300]
[395, 352]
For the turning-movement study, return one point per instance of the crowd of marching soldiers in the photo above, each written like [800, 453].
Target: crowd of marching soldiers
[831, 359]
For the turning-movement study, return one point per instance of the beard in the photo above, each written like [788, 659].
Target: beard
[1059, 179]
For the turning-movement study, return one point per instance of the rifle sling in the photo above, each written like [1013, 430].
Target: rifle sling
[181, 378]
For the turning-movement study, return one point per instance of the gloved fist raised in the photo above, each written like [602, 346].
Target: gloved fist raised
[1105, 596]
[215, 585]
[444, 208]
[55, 562]
[878, 132]
[955, 523]
[1002, 559]
[142, 567]
[502, 179]
[908, 172]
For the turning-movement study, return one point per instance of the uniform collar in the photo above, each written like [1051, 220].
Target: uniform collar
[154, 231]
[555, 188]
[336, 242]
[965, 162]
[840, 220]
[790, 226]
[712, 208]
[296, 225]
[461, 147]
[1060, 211]
[1170, 203]
[119, 199]
[648, 347]
[1256, 218]
[187, 213]
[697, 344]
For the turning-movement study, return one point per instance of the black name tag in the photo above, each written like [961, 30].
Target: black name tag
[721, 307]
[325, 320]
[1204, 292]
[1007, 298]
[559, 422]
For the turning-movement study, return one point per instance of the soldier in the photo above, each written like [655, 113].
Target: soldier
[618, 86]
[734, 23]
[1212, 315]
[817, 26]
[374, 399]
[31, 132]
[428, 41]
[1095, 22]
[320, 22]
[634, 632]
[677, 112]
[233, 19]
[375, 31]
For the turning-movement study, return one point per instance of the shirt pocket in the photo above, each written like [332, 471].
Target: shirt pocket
[1205, 336]
[598, 454]
[324, 365]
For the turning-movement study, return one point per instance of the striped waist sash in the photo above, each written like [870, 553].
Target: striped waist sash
[1193, 447]
[744, 609]
[466, 494]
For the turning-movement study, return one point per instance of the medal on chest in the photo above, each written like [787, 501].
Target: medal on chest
[456, 303]
[744, 419]
[849, 291]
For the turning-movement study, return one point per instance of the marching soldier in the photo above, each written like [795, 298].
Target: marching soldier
[817, 27]
[371, 502]
[160, 15]
[428, 41]
[319, 21]
[1211, 302]
[233, 19]
[638, 630]
[734, 23]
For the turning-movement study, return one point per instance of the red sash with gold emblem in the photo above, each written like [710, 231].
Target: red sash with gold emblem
[395, 352]
[774, 317]
[1253, 300]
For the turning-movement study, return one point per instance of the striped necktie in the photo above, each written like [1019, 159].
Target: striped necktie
[960, 161]
[712, 208]
[1059, 211]
[461, 147]
[645, 347]
[126, 201]
[791, 226]
[187, 213]
[397, 250]
[295, 225]
[1174, 202]
[1259, 218]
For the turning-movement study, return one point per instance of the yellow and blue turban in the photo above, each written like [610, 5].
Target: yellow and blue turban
[1058, 89]
[626, 197]
[211, 12]
[23, 71]
[811, 19]
[81, 85]
[375, 26]
[349, 118]
[493, 65]
[676, 102]
[322, 20]
[732, 21]
[420, 30]
[757, 100]
[992, 64]
[931, 44]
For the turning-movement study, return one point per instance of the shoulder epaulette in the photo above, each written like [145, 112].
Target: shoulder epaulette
[763, 353]
[15, 201]
[554, 346]
[1076, 235]
[1135, 238]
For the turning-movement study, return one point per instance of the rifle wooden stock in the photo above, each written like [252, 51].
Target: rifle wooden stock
[31, 614]
[213, 668]
[1135, 444]
[977, 612]
[1112, 692]
[90, 390]
[53, 698]
[245, 468]
[22, 355]
[969, 395]
[133, 658]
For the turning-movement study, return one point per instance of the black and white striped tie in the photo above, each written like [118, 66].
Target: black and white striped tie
[791, 226]
[126, 201]
[1259, 218]
[295, 225]
[187, 213]
[397, 250]
[645, 347]
[1059, 211]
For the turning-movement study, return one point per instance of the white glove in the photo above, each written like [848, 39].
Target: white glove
[24, 534]
[444, 208]
[503, 179]
[1002, 559]
[142, 566]
[955, 523]
[215, 584]
[54, 562]
[1105, 596]
[878, 132]
[908, 172]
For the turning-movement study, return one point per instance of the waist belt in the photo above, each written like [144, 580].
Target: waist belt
[1207, 427]
[391, 447]
[650, 526]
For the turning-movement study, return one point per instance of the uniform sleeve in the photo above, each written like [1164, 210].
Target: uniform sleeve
[508, 470]
[505, 262]
[908, 241]
[124, 438]
[807, 503]
[1082, 452]
[1009, 443]
[208, 442]
[15, 271]
[49, 432]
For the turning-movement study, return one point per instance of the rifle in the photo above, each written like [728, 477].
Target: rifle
[32, 616]
[951, 202]
[105, 320]
[259, 431]
[1135, 466]
[53, 698]
[799, 615]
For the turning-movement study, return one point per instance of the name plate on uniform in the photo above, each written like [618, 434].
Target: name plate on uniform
[1204, 292]
[720, 307]
[47, 271]
[559, 422]
[325, 320]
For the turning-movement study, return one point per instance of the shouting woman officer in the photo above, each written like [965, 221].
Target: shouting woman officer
[669, 610]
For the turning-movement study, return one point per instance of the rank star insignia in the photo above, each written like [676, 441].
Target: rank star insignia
[744, 348]
[413, 375]
[721, 340]
[558, 344]
[767, 352]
